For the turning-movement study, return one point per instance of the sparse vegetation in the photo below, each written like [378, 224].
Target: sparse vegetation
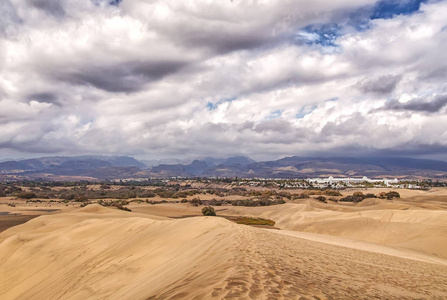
[208, 211]
[390, 195]
[195, 202]
[357, 197]
[194, 191]
[118, 204]
[260, 202]
[26, 195]
[321, 198]
[331, 193]
[254, 221]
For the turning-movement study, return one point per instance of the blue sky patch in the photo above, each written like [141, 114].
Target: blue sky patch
[115, 2]
[387, 9]
[305, 111]
[321, 34]
[274, 115]
[213, 106]
[110, 2]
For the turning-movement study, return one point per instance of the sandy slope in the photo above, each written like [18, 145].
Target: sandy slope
[417, 222]
[100, 253]
[389, 224]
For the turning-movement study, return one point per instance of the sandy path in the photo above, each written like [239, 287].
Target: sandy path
[275, 266]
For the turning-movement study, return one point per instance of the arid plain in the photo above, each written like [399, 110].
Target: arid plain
[380, 249]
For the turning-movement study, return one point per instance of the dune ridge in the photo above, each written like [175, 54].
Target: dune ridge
[415, 229]
[102, 253]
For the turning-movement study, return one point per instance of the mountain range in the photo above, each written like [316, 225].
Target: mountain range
[119, 167]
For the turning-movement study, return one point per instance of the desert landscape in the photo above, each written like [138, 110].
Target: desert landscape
[377, 248]
[227, 149]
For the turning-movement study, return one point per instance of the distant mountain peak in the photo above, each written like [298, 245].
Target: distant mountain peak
[238, 160]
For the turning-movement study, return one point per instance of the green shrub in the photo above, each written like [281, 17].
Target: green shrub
[254, 221]
[195, 202]
[118, 204]
[26, 195]
[370, 196]
[332, 193]
[216, 202]
[81, 198]
[321, 198]
[208, 211]
[392, 195]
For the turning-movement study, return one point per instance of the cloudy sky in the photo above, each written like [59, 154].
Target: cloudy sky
[263, 78]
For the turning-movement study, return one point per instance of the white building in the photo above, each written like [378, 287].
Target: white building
[333, 180]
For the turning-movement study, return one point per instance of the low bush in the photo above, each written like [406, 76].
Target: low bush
[321, 198]
[195, 202]
[392, 195]
[332, 193]
[208, 211]
[254, 221]
[26, 195]
[254, 203]
[216, 202]
[357, 197]
[118, 204]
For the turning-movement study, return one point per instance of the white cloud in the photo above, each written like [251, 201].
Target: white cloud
[136, 79]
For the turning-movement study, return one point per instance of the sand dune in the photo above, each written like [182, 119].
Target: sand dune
[101, 253]
[417, 222]
[420, 230]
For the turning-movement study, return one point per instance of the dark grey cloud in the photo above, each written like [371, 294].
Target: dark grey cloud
[233, 26]
[8, 17]
[34, 147]
[413, 149]
[437, 70]
[110, 2]
[421, 105]
[126, 77]
[350, 126]
[382, 85]
[46, 97]
[51, 7]
[409, 149]
[224, 43]
[278, 126]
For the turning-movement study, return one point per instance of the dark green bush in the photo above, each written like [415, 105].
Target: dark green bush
[332, 193]
[392, 195]
[321, 198]
[118, 204]
[208, 211]
[370, 196]
[216, 202]
[26, 195]
[195, 202]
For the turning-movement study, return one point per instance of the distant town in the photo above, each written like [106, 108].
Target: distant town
[309, 183]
